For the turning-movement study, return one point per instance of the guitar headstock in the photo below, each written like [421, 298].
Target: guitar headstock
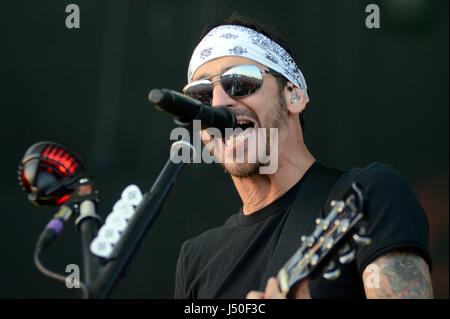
[329, 244]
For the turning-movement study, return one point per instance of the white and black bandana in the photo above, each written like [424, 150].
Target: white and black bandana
[235, 40]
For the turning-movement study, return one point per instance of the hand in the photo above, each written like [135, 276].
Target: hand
[273, 291]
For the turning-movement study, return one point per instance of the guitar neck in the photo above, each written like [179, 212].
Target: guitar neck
[330, 234]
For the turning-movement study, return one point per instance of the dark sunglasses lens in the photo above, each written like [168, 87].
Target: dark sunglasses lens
[200, 91]
[238, 82]
[241, 81]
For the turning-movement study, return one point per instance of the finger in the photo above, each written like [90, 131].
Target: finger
[255, 295]
[273, 290]
[301, 290]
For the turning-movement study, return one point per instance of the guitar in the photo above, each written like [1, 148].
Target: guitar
[331, 235]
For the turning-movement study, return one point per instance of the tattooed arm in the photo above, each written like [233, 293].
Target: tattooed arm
[397, 274]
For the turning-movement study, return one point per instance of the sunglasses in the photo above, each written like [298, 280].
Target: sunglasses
[237, 82]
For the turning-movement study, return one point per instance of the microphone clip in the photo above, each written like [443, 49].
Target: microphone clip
[84, 201]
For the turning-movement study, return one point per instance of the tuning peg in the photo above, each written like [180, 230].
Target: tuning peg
[323, 222]
[314, 259]
[332, 275]
[309, 240]
[338, 205]
[343, 226]
[348, 257]
[329, 243]
[362, 231]
[361, 240]
[331, 271]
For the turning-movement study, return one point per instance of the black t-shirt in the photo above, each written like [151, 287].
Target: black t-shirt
[231, 260]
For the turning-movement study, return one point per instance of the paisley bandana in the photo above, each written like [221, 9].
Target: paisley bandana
[235, 40]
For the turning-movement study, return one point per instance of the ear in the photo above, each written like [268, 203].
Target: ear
[298, 104]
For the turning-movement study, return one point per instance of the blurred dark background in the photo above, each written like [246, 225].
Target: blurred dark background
[376, 95]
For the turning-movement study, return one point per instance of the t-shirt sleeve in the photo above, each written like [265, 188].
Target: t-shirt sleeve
[395, 218]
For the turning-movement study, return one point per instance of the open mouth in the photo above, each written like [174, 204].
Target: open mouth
[244, 129]
[245, 124]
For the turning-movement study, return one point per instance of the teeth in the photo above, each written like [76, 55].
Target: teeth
[238, 139]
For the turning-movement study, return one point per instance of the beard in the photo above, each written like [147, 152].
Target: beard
[247, 169]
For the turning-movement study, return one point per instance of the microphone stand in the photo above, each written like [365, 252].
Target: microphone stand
[101, 274]
[145, 215]
[84, 200]
[88, 224]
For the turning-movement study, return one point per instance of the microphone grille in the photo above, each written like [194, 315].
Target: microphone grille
[47, 171]
[156, 96]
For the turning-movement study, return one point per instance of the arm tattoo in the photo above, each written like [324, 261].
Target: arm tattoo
[399, 275]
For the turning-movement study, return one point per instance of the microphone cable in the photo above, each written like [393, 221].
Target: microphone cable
[48, 235]
[47, 272]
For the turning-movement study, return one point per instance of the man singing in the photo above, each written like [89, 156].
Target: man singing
[247, 68]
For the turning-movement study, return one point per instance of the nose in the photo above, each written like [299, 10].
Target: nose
[220, 97]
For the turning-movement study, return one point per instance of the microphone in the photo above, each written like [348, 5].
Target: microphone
[186, 109]
[52, 175]
[49, 173]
